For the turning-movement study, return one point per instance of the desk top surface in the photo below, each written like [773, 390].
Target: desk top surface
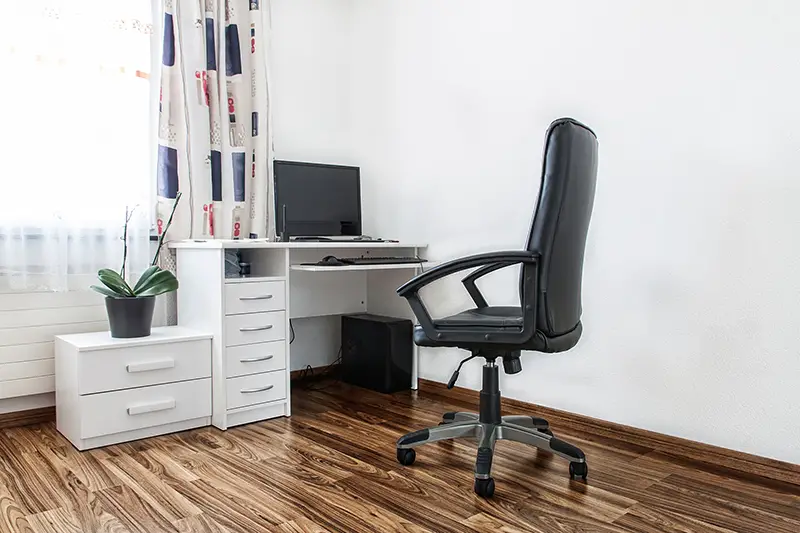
[264, 243]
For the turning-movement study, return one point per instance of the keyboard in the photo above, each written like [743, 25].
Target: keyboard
[380, 260]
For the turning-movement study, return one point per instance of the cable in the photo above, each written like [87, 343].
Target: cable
[291, 333]
[325, 372]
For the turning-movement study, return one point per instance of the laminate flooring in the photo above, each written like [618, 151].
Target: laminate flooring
[331, 468]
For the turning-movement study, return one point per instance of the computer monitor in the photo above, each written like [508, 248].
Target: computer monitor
[317, 200]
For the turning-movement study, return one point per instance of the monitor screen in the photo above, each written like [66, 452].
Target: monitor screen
[317, 200]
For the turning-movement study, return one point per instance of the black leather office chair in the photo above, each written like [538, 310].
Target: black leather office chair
[547, 320]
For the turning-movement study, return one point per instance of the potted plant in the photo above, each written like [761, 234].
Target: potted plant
[130, 309]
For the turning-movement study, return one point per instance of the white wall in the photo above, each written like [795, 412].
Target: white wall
[692, 276]
[310, 79]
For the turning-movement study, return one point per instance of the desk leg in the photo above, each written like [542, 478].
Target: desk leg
[415, 368]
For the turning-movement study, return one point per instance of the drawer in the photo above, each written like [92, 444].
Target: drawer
[255, 327]
[256, 388]
[126, 410]
[255, 358]
[255, 297]
[138, 366]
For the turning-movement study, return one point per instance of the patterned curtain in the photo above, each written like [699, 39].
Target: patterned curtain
[213, 131]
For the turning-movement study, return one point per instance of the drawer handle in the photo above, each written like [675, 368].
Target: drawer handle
[258, 389]
[150, 365]
[257, 328]
[142, 408]
[256, 359]
[250, 298]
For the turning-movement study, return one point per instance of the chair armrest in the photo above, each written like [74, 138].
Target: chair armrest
[464, 263]
[472, 289]
[490, 261]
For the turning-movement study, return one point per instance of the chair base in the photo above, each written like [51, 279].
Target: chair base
[487, 428]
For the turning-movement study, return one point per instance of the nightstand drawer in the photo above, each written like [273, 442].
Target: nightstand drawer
[257, 388]
[254, 328]
[255, 297]
[255, 358]
[137, 366]
[126, 410]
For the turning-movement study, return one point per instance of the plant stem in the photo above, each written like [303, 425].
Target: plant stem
[124, 245]
[128, 217]
[166, 228]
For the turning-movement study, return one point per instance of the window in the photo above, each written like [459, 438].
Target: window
[76, 103]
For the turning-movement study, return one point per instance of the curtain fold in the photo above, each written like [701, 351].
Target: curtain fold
[75, 154]
[213, 131]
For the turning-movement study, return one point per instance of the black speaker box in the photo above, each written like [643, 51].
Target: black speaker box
[377, 352]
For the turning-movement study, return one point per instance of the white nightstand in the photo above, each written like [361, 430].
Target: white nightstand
[115, 390]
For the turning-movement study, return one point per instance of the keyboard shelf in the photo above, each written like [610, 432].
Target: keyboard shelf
[352, 268]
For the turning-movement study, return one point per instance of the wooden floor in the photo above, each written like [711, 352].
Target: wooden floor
[331, 468]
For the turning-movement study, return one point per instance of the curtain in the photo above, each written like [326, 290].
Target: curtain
[213, 128]
[76, 145]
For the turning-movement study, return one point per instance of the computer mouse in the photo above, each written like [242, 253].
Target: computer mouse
[331, 260]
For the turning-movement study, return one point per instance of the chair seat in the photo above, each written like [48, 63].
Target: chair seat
[489, 317]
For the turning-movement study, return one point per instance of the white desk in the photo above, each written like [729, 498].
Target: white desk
[249, 317]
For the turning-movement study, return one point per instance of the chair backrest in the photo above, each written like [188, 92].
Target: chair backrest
[561, 222]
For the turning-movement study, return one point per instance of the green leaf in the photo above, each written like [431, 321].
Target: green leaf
[159, 283]
[105, 291]
[144, 277]
[114, 281]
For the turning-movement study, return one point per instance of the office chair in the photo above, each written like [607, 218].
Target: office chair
[547, 320]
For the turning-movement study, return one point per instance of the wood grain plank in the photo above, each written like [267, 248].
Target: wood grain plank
[12, 516]
[55, 521]
[149, 488]
[302, 525]
[133, 513]
[200, 524]
[676, 495]
[20, 478]
[644, 519]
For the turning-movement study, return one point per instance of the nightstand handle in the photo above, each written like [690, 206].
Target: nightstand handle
[259, 389]
[249, 298]
[256, 359]
[257, 328]
[143, 408]
[145, 366]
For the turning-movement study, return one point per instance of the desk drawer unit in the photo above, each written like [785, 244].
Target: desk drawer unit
[257, 388]
[116, 390]
[255, 327]
[256, 358]
[254, 297]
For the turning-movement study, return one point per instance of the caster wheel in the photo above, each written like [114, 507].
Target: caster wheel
[546, 431]
[484, 487]
[578, 471]
[406, 456]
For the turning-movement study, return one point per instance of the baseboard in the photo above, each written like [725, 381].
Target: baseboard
[27, 417]
[714, 456]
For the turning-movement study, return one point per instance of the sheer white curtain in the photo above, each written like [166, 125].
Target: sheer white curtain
[75, 103]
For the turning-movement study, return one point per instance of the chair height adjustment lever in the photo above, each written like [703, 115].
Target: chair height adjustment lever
[454, 377]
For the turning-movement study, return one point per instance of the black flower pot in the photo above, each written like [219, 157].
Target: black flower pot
[130, 317]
